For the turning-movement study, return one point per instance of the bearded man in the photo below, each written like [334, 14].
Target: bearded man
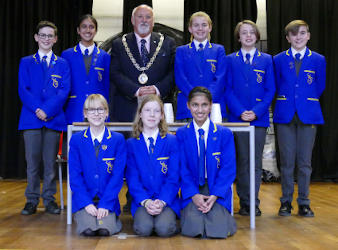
[141, 64]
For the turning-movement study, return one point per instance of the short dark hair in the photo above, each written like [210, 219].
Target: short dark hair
[293, 27]
[45, 23]
[87, 16]
[200, 91]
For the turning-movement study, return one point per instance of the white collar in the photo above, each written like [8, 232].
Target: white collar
[302, 52]
[49, 55]
[138, 38]
[197, 43]
[205, 126]
[153, 135]
[83, 48]
[99, 137]
[251, 52]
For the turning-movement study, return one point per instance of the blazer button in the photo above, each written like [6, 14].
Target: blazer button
[96, 176]
[87, 82]
[297, 85]
[296, 96]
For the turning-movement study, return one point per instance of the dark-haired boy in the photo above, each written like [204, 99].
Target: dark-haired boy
[44, 84]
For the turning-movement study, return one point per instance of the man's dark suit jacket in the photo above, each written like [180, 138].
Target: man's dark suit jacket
[124, 75]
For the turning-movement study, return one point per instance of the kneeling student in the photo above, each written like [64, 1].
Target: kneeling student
[97, 159]
[208, 168]
[153, 171]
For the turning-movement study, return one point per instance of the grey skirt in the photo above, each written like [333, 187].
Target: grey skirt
[217, 223]
[84, 221]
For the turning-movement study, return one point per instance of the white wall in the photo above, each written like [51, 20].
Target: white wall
[169, 12]
[109, 15]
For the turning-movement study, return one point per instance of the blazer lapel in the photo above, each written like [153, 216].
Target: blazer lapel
[132, 43]
[212, 138]
[244, 68]
[192, 142]
[88, 145]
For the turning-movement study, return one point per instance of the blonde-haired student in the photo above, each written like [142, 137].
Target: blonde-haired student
[97, 159]
[152, 172]
[200, 63]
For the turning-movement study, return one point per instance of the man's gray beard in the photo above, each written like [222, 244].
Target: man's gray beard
[143, 29]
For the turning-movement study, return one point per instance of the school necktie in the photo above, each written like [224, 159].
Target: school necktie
[298, 63]
[86, 52]
[297, 57]
[144, 52]
[151, 145]
[96, 147]
[201, 158]
[44, 63]
[247, 56]
[200, 47]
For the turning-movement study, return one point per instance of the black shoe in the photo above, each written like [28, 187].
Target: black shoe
[258, 212]
[88, 232]
[305, 211]
[285, 209]
[102, 232]
[29, 209]
[244, 210]
[52, 208]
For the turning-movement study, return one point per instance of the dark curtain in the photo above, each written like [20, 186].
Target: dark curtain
[19, 19]
[128, 6]
[322, 17]
[225, 14]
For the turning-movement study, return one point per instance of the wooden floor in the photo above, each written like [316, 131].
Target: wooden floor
[45, 231]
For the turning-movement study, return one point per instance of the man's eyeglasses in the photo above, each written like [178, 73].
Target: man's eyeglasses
[91, 111]
[45, 36]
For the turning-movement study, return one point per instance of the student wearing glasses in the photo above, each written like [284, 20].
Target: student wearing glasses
[44, 83]
[97, 159]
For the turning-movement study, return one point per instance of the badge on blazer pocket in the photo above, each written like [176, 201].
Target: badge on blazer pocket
[260, 75]
[212, 64]
[55, 80]
[217, 156]
[310, 76]
[99, 73]
[110, 164]
[164, 164]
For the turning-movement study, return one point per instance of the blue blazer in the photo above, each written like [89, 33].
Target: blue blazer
[45, 90]
[83, 84]
[102, 176]
[299, 93]
[156, 176]
[124, 75]
[220, 160]
[206, 68]
[250, 87]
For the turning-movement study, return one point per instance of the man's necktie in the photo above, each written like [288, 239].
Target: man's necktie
[144, 52]
[151, 145]
[247, 56]
[201, 158]
[96, 147]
